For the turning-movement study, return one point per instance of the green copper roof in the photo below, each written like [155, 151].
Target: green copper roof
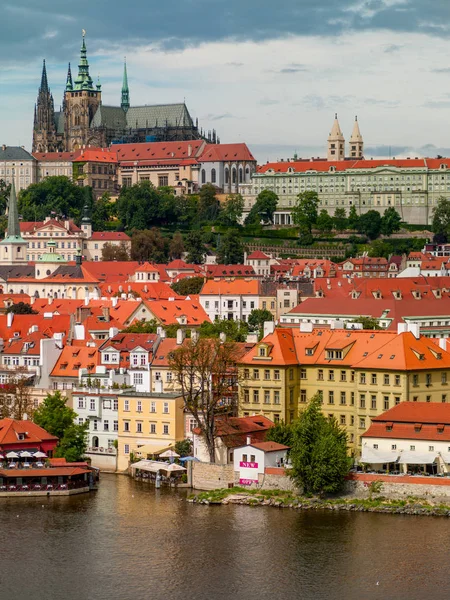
[51, 256]
[125, 102]
[14, 236]
[83, 80]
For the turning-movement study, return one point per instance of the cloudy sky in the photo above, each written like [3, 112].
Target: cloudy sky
[271, 74]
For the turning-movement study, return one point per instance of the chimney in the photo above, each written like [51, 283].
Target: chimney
[189, 150]
[105, 313]
[443, 343]
[402, 327]
[223, 337]
[194, 335]
[249, 440]
[114, 301]
[9, 319]
[269, 327]
[414, 328]
[113, 331]
[180, 336]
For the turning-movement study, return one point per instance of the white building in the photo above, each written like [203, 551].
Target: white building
[251, 460]
[231, 300]
[100, 410]
[18, 165]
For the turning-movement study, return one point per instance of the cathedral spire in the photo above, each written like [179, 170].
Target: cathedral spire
[356, 141]
[125, 102]
[83, 80]
[69, 82]
[336, 142]
[44, 81]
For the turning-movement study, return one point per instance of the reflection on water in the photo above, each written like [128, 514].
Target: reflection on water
[131, 542]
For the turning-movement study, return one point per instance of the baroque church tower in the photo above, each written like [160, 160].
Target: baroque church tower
[45, 138]
[356, 142]
[336, 142]
[81, 101]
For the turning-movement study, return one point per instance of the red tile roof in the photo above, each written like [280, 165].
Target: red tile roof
[11, 428]
[106, 236]
[238, 287]
[159, 150]
[215, 271]
[74, 358]
[111, 271]
[32, 226]
[226, 153]
[56, 156]
[257, 255]
[97, 155]
[270, 446]
[323, 165]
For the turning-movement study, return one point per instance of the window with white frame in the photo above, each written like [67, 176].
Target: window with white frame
[153, 407]
[166, 407]
[138, 378]
[106, 425]
[126, 449]
[92, 404]
[139, 406]
[166, 429]
[80, 402]
[116, 425]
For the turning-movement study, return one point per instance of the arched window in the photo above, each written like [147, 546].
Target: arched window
[241, 176]
[203, 176]
[213, 176]
[233, 175]
[227, 176]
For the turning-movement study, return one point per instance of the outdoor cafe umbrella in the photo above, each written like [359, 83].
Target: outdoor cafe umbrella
[12, 455]
[169, 454]
[25, 454]
[173, 467]
[40, 454]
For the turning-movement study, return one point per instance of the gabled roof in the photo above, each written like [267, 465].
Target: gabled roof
[74, 358]
[56, 156]
[171, 312]
[226, 153]
[257, 255]
[111, 271]
[237, 287]
[10, 428]
[14, 153]
[159, 150]
[215, 271]
[97, 155]
[32, 226]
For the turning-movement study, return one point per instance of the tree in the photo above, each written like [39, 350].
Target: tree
[149, 245]
[370, 224]
[195, 248]
[281, 432]
[380, 248]
[353, 218]
[319, 451]
[57, 196]
[232, 210]
[305, 237]
[103, 211]
[202, 369]
[324, 221]
[340, 219]
[390, 221]
[15, 396]
[22, 308]
[183, 447]
[263, 209]
[5, 190]
[367, 322]
[176, 247]
[209, 205]
[72, 446]
[142, 327]
[236, 331]
[231, 250]
[305, 212]
[441, 219]
[115, 252]
[188, 286]
[54, 415]
[258, 317]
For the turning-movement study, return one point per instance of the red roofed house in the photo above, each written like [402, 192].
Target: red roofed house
[412, 436]
[227, 166]
[251, 460]
[232, 300]
[52, 164]
[260, 262]
[67, 236]
[25, 435]
[97, 168]
[93, 246]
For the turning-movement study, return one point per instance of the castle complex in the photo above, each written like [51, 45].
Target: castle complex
[84, 121]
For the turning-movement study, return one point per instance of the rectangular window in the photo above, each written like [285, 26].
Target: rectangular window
[152, 427]
[126, 449]
[302, 395]
[343, 398]
[415, 380]
[342, 420]
[444, 378]
[166, 408]
[246, 396]
[255, 373]
[302, 373]
[138, 378]
[394, 447]
[115, 404]
[153, 407]
[386, 402]
[165, 429]
[126, 426]
[362, 401]
[362, 378]
[362, 423]
[374, 379]
[291, 374]
[139, 406]
[320, 374]
[126, 405]
[105, 425]
[386, 379]
[276, 397]
[428, 379]
[255, 396]
[138, 427]
[246, 373]
[116, 425]
[331, 375]
[397, 380]
[412, 448]
[373, 402]
[266, 374]
[343, 375]
[330, 397]
[92, 404]
[266, 397]
[431, 448]
[397, 399]
[276, 374]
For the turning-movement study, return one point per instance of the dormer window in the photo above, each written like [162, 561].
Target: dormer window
[263, 352]
[309, 351]
[334, 354]
[21, 436]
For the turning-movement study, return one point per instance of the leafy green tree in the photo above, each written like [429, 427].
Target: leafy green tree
[138, 205]
[231, 249]
[184, 447]
[390, 221]
[353, 218]
[340, 219]
[176, 247]
[188, 285]
[232, 210]
[324, 221]
[5, 189]
[281, 432]
[54, 415]
[319, 451]
[22, 308]
[149, 245]
[367, 322]
[441, 219]
[380, 248]
[258, 317]
[195, 247]
[142, 327]
[305, 212]
[370, 224]
[305, 237]
[115, 252]
[234, 330]
[72, 446]
[103, 211]
[53, 195]
[209, 205]
[263, 209]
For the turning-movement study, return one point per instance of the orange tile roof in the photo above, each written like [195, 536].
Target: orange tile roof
[165, 347]
[97, 155]
[269, 446]
[111, 271]
[167, 312]
[106, 236]
[238, 287]
[159, 150]
[74, 358]
[146, 268]
[10, 428]
[56, 156]
[226, 152]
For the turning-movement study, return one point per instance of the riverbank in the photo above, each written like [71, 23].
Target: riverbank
[284, 499]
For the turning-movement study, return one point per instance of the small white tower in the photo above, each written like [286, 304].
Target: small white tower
[336, 142]
[356, 142]
[13, 249]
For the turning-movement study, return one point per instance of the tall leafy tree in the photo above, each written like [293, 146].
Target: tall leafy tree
[54, 415]
[208, 206]
[149, 245]
[138, 206]
[176, 247]
[103, 211]
[73, 445]
[258, 317]
[305, 212]
[441, 220]
[390, 221]
[340, 218]
[319, 451]
[370, 224]
[232, 210]
[195, 247]
[231, 249]
[281, 432]
[188, 285]
[324, 221]
[263, 209]
[115, 252]
[353, 218]
[234, 330]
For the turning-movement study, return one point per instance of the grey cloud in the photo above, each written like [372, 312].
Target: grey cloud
[268, 102]
[234, 64]
[441, 70]
[386, 150]
[392, 48]
[212, 117]
[437, 104]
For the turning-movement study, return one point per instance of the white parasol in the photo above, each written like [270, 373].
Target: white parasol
[169, 454]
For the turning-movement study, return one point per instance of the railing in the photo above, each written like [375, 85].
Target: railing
[101, 450]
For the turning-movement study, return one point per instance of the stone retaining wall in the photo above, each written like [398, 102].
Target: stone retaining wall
[357, 485]
[206, 476]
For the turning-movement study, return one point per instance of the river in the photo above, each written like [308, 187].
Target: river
[129, 541]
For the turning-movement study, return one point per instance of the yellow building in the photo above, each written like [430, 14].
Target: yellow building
[359, 374]
[153, 420]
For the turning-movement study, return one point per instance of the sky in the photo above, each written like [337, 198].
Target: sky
[271, 74]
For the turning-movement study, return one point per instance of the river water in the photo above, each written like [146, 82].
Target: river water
[129, 541]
